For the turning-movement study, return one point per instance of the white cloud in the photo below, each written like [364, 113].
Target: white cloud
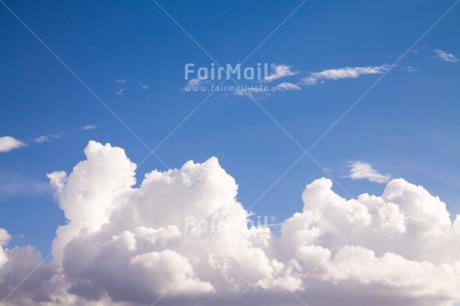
[194, 82]
[182, 233]
[447, 57]
[286, 86]
[281, 71]
[361, 170]
[343, 73]
[311, 79]
[120, 92]
[41, 139]
[4, 237]
[15, 267]
[36, 288]
[129, 84]
[46, 138]
[8, 143]
[89, 127]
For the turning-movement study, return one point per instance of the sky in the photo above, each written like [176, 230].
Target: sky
[360, 93]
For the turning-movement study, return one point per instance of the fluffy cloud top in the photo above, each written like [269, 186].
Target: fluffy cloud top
[4, 238]
[8, 143]
[447, 57]
[181, 235]
[343, 73]
[361, 170]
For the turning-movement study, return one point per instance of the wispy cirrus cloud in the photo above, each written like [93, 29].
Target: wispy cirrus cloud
[8, 143]
[194, 82]
[46, 138]
[120, 91]
[313, 78]
[280, 71]
[444, 56]
[286, 86]
[89, 127]
[363, 171]
[343, 73]
[126, 83]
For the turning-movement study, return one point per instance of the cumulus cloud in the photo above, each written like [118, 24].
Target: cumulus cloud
[182, 235]
[16, 265]
[363, 171]
[280, 71]
[4, 238]
[8, 143]
[343, 73]
[36, 288]
[444, 56]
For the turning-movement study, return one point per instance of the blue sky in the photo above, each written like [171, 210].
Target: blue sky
[407, 125]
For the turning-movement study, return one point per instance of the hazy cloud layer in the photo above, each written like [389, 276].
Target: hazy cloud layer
[183, 235]
[13, 184]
